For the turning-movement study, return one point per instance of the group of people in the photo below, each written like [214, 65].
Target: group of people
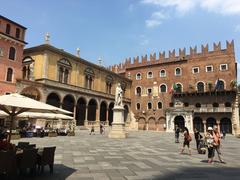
[211, 141]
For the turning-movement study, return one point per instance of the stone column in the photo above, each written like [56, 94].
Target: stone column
[86, 121]
[74, 116]
[218, 125]
[97, 116]
[168, 122]
[204, 126]
[235, 118]
[45, 65]
[107, 122]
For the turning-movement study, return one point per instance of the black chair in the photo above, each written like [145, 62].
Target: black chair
[8, 166]
[31, 146]
[46, 158]
[28, 160]
[22, 145]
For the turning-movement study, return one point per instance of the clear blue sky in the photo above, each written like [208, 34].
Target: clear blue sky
[117, 29]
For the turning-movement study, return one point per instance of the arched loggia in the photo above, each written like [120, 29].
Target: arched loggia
[103, 111]
[53, 99]
[92, 108]
[110, 113]
[68, 103]
[81, 111]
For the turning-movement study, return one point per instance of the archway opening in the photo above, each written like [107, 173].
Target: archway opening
[211, 122]
[226, 125]
[68, 103]
[53, 99]
[141, 124]
[81, 111]
[179, 121]
[110, 113]
[161, 124]
[198, 124]
[103, 111]
[152, 124]
[92, 108]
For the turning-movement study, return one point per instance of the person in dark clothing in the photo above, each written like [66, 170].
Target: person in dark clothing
[198, 137]
[92, 130]
[177, 131]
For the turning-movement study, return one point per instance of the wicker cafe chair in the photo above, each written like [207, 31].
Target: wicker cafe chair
[28, 160]
[46, 158]
[8, 166]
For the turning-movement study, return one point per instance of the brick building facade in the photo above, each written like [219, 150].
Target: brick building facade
[12, 42]
[195, 90]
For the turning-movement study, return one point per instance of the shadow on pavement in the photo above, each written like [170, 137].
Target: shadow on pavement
[201, 173]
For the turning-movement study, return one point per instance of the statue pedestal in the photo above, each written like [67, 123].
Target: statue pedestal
[118, 129]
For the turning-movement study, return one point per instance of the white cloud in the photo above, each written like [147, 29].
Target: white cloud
[156, 19]
[182, 7]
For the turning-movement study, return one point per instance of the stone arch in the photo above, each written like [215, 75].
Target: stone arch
[126, 111]
[198, 124]
[211, 122]
[180, 121]
[68, 103]
[81, 108]
[161, 124]
[226, 125]
[200, 86]
[110, 113]
[141, 123]
[103, 111]
[31, 92]
[152, 124]
[92, 109]
[53, 99]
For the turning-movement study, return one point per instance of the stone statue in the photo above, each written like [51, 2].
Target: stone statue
[118, 95]
[47, 36]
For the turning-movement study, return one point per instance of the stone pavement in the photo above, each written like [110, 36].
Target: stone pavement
[144, 155]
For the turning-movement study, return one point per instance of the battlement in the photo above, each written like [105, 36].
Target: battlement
[173, 56]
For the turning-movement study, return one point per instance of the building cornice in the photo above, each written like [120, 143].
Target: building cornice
[47, 47]
[10, 38]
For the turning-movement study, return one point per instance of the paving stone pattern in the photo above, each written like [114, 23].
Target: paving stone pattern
[143, 155]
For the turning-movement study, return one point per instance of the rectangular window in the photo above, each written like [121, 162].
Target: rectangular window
[18, 33]
[223, 67]
[195, 70]
[209, 68]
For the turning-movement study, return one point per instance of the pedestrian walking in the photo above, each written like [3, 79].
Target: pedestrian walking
[102, 129]
[210, 144]
[217, 142]
[197, 136]
[186, 141]
[177, 132]
[92, 130]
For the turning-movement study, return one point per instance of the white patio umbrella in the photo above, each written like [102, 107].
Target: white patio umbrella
[15, 104]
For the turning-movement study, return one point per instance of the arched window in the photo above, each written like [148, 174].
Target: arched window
[200, 87]
[89, 76]
[215, 104]
[228, 104]
[138, 106]
[149, 105]
[163, 88]
[17, 33]
[109, 82]
[12, 53]
[8, 29]
[64, 68]
[9, 74]
[197, 105]
[159, 105]
[179, 88]
[150, 74]
[138, 76]
[138, 91]
[178, 72]
[162, 73]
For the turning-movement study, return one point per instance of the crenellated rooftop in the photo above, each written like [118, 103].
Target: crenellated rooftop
[173, 57]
